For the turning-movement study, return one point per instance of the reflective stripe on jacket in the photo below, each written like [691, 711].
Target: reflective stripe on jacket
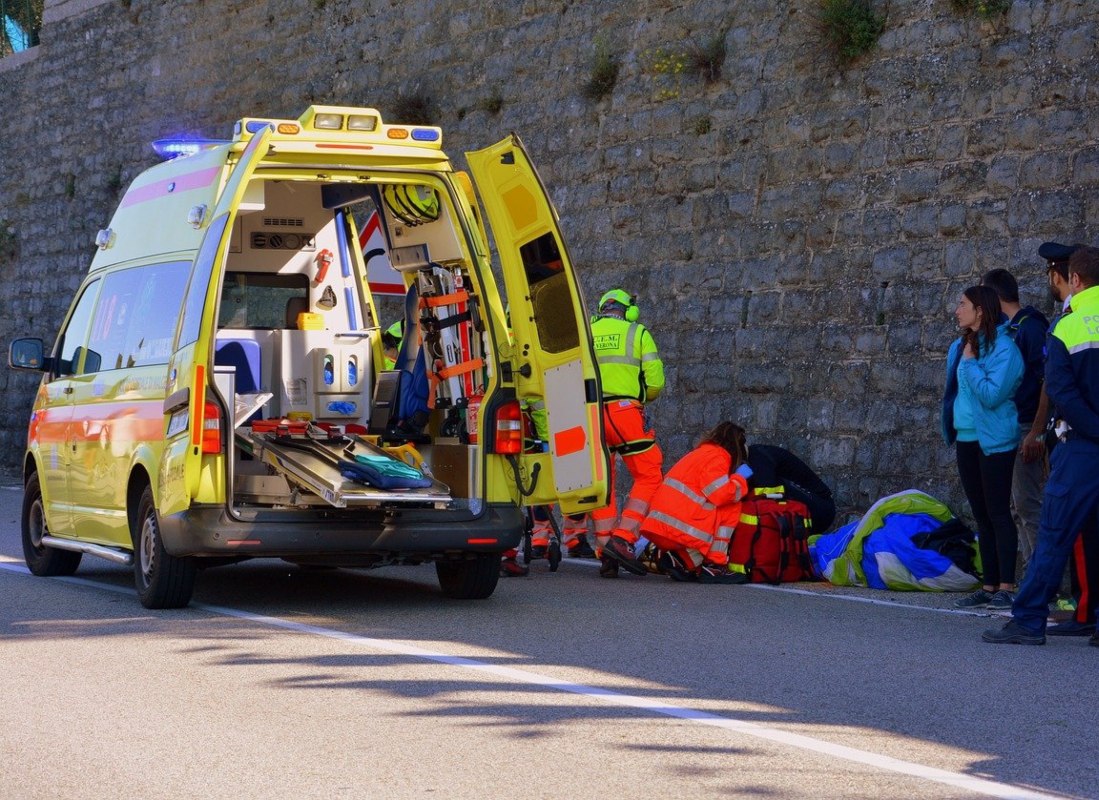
[629, 364]
[685, 507]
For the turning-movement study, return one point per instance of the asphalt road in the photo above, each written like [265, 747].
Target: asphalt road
[284, 683]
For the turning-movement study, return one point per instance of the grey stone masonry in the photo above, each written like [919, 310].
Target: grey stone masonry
[797, 231]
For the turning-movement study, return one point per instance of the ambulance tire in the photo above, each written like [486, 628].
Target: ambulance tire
[162, 580]
[42, 560]
[471, 578]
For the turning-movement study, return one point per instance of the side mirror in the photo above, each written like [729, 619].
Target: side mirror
[27, 353]
[92, 360]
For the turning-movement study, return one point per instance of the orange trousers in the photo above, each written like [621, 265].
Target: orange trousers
[694, 552]
[624, 428]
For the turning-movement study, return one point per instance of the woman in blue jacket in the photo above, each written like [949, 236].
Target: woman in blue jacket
[983, 370]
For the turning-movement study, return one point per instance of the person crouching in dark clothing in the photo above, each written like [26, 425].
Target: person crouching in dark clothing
[776, 466]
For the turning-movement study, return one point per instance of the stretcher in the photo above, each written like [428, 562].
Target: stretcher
[311, 459]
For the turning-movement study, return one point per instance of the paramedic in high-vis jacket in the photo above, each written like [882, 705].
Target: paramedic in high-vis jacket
[632, 375]
[1072, 490]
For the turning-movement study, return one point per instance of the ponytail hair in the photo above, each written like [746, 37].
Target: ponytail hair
[731, 437]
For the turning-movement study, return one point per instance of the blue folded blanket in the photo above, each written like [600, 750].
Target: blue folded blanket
[383, 472]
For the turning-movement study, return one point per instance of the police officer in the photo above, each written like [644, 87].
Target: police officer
[1072, 490]
[632, 375]
[1083, 580]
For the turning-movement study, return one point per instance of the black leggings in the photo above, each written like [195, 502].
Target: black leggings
[987, 484]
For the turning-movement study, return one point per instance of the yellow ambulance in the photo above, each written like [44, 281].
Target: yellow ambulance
[218, 392]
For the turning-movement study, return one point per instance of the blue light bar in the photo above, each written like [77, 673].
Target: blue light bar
[425, 135]
[257, 125]
[168, 149]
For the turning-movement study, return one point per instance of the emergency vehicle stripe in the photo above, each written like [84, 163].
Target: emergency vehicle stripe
[684, 489]
[682, 527]
[595, 414]
[181, 183]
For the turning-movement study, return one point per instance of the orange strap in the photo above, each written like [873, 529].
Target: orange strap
[460, 369]
[460, 296]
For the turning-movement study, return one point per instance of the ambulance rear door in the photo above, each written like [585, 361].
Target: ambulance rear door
[555, 360]
[190, 430]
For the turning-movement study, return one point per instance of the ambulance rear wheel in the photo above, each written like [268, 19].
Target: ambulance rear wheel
[470, 579]
[163, 581]
[42, 559]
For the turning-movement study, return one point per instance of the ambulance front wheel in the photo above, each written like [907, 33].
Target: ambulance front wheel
[41, 559]
[163, 581]
[471, 578]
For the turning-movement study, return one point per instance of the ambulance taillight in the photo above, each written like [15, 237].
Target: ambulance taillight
[211, 429]
[508, 426]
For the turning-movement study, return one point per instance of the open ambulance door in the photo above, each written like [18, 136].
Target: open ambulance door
[190, 433]
[554, 357]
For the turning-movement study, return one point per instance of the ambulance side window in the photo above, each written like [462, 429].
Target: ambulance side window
[199, 284]
[135, 319]
[72, 338]
[549, 293]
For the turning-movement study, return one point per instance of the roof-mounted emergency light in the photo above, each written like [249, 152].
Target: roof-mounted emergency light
[168, 149]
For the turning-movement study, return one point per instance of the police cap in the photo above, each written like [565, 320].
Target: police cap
[1055, 251]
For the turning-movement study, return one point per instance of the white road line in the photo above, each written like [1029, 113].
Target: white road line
[958, 780]
[787, 589]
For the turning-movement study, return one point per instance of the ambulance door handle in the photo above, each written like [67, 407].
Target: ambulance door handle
[67, 390]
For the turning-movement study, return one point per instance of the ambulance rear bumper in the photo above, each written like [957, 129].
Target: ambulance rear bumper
[413, 534]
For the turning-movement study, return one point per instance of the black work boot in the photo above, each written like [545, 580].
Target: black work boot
[621, 551]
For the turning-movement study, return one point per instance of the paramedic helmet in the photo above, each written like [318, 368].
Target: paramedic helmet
[412, 205]
[632, 312]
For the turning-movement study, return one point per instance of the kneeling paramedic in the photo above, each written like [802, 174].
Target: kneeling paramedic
[632, 375]
[697, 507]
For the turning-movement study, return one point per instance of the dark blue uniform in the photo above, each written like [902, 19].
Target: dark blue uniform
[1072, 491]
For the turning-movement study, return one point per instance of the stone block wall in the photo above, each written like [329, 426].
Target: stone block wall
[797, 233]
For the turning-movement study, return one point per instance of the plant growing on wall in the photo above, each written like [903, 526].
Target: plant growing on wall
[491, 104]
[851, 27]
[982, 8]
[7, 242]
[604, 71]
[706, 59]
[668, 66]
[414, 108]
